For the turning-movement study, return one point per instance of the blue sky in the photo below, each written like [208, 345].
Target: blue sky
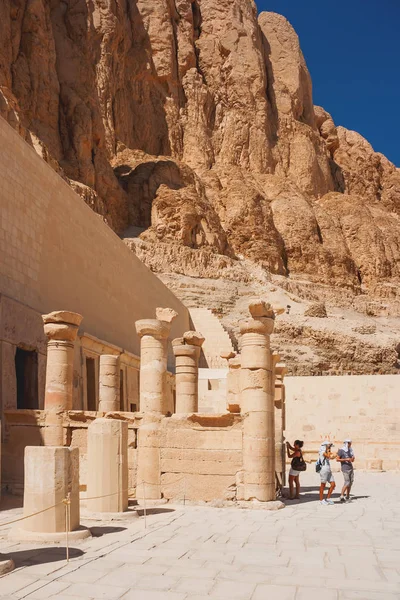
[352, 49]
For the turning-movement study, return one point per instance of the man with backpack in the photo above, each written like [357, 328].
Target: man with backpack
[323, 467]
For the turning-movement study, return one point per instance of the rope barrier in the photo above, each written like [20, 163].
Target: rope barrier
[39, 512]
[67, 503]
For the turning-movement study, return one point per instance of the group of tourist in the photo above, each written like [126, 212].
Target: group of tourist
[345, 456]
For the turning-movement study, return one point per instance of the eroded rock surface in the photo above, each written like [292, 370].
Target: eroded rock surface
[189, 126]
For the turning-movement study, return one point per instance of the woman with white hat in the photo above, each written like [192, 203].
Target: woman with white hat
[346, 458]
[325, 455]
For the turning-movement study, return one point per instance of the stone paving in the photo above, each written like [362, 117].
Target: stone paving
[305, 551]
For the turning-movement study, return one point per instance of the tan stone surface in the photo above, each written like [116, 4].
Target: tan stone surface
[107, 466]
[364, 408]
[49, 264]
[109, 383]
[51, 473]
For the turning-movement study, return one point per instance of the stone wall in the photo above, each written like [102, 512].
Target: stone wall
[201, 457]
[25, 428]
[365, 408]
[56, 253]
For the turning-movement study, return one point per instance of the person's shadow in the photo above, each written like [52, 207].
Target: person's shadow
[310, 493]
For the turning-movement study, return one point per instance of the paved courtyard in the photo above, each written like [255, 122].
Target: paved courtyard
[302, 552]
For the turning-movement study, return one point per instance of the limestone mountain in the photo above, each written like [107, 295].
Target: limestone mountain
[189, 126]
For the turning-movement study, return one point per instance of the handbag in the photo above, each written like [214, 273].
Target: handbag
[298, 463]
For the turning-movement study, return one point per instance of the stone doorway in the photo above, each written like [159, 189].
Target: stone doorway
[91, 384]
[26, 373]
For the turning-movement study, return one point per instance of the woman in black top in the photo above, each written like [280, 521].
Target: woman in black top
[297, 466]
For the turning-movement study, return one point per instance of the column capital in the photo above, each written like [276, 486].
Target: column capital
[229, 354]
[275, 358]
[262, 326]
[193, 338]
[166, 314]
[186, 350]
[153, 327]
[61, 325]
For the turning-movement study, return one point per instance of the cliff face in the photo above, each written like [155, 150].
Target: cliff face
[190, 126]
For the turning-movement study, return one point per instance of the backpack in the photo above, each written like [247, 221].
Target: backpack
[298, 463]
[319, 464]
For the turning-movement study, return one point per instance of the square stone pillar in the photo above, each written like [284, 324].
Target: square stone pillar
[51, 475]
[187, 354]
[109, 383]
[107, 466]
[148, 476]
[257, 404]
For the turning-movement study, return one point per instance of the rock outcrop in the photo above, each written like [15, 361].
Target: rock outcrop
[189, 126]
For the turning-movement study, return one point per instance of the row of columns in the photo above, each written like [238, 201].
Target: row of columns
[52, 471]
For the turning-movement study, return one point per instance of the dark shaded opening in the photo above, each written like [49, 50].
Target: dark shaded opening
[26, 372]
[91, 384]
[121, 391]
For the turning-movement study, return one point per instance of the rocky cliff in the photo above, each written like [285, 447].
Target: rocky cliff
[189, 125]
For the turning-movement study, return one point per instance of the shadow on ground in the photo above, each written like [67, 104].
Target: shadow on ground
[310, 493]
[99, 531]
[154, 511]
[41, 556]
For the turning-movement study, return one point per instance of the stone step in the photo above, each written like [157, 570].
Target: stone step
[217, 339]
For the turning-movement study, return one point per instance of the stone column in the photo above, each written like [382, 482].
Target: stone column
[107, 471]
[257, 404]
[280, 454]
[233, 381]
[153, 375]
[153, 335]
[61, 329]
[109, 383]
[187, 354]
[52, 471]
